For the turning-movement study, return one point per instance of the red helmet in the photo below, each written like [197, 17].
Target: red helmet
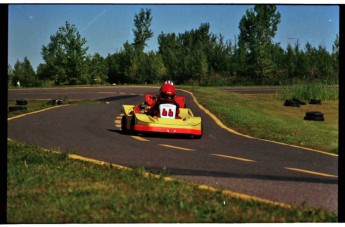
[167, 92]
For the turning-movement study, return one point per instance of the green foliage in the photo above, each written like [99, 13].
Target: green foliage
[257, 29]
[97, 69]
[10, 75]
[142, 31]
[65, 57]
[196, 56]
[24, 75]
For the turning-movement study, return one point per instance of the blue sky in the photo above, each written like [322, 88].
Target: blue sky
[107, 27]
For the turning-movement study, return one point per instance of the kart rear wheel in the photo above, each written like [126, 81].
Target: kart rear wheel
[132, 131]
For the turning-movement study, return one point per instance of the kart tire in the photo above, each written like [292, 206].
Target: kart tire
[124, 129]
[197, 137]
[291, 103]
[21, 102]
[314, 118]
[315, 102]
[16, 108]
[132, 131]
[314, 114]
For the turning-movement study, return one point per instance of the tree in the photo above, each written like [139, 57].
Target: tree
[25, 74]
[192, 55]
[97, 69]
[290, 62]
[130, 64]
[9, 73]
[65, 56]
[335, 59]
[170, 49]
[44, 72]
[142, 31]
[257, 29]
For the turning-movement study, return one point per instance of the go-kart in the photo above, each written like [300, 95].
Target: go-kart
[136, 118]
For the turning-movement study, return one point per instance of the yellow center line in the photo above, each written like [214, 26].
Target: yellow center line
[311, 172]
[232, 157]
[140, 138]
[175, 147]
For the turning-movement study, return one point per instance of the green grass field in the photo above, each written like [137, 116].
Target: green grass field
[266, 117]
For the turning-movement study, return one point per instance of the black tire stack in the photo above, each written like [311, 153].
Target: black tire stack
[294, 102]
[291, 103]
[314, 116]
[20, 105]
[315, 102]
[311, 115]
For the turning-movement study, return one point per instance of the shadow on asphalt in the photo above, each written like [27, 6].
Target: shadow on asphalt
[155, 135]
[190, 172]
[116, 98]
[115, 130]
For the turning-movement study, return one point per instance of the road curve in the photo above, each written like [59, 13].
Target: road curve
[219, 159]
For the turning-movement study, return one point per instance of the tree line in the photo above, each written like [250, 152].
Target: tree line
[196, 57]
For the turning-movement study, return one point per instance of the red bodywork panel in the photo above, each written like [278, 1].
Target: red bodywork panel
[144, 128]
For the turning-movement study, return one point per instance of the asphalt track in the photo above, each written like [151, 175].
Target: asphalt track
[220, 159]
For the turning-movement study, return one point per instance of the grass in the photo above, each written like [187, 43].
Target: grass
[265, 116]
[32, 105]
[307, 91]
[45, 187]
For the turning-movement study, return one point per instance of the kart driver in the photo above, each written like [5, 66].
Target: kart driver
[166, 96]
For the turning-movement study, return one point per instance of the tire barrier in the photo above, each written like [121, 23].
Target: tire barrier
[314, 116]
[20, 105]
[21, 102]
[311, 115]
[291, 103]
[315, 102]
[16, 108]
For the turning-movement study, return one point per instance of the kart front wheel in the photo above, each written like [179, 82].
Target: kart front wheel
[124, 125]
